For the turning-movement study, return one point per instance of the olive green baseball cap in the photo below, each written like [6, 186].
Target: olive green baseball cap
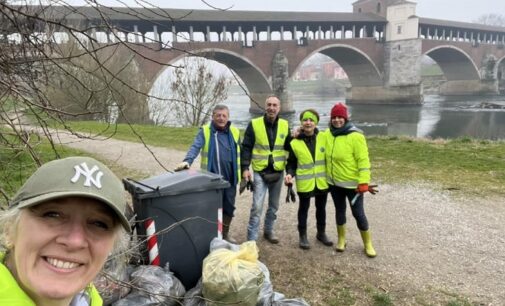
[76, 176]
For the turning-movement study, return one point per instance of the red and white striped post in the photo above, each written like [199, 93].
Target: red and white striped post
[152, 242]
[220, 223]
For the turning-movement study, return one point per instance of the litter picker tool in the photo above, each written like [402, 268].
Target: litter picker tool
[371, 188]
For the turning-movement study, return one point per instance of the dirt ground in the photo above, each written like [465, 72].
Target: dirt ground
[433, 246]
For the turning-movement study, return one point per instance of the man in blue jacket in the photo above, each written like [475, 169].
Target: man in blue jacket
[219, 145]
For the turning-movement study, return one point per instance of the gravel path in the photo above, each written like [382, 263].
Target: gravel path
[427, 240]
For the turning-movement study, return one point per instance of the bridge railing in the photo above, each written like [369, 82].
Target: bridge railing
[245, 37]
[473, 36]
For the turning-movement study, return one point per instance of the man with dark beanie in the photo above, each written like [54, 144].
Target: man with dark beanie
[348, 174]
[306, 163]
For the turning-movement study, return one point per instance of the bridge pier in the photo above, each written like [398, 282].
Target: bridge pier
[280, 77]
[406, 94]
[469, 88]
[257, 101]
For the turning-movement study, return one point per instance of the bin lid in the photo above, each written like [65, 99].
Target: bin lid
[174, 183]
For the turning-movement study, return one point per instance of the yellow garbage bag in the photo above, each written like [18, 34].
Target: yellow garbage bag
[232, 276]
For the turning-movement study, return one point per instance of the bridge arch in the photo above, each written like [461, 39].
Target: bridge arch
[251, 75]
[359, 67]
[496, 70]
[455, 63]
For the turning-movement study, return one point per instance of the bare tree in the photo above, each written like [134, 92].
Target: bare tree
[492, 19]
[199, 89]
[45, 80]
[101, 92]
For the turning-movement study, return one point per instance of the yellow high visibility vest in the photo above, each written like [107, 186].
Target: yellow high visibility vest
[309, 172]
[12, 294]
[261, 149]
[205, 150]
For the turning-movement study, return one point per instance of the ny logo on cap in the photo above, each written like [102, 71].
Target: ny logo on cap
[83, 170]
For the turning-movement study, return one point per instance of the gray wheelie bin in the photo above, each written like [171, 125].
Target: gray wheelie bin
[184, 207]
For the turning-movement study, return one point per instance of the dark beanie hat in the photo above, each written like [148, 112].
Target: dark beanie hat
[339, 110]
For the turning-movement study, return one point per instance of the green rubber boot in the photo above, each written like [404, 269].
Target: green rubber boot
[367, 242]
[341, 238]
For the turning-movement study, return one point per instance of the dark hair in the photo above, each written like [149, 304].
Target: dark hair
[309, 110]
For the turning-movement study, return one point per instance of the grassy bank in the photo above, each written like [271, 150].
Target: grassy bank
[16, 166]
[471, 166]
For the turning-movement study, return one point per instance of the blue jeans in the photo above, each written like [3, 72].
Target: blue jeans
[260, 190]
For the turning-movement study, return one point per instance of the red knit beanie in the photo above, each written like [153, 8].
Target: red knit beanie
[339, 110]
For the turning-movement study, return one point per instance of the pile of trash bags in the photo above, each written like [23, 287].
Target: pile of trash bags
[231, 274]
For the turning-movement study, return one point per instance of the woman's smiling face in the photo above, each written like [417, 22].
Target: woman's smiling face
[60, 246]
[338, 121]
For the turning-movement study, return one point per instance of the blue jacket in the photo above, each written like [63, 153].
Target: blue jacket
[227, 153]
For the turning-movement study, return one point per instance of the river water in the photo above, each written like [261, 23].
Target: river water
[437, 117]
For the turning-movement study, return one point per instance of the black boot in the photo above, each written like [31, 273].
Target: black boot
[304, 242]
[271, 237]
[321, 236]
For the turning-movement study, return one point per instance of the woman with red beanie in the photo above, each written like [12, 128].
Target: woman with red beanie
[348, 174]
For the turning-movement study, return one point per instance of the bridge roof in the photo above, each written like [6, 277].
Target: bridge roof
[164, 18]
[178, 15]
[460, 25]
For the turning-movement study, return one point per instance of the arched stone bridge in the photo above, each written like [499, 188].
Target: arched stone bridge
[469, 70]
[380, 46]
[360, 58]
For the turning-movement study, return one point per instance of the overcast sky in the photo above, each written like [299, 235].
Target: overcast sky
[458, 10]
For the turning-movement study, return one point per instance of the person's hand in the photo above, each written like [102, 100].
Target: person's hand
[373, 189]
[362, 188]
[288, 179]
[182, 166]
[246, 175]
[296, 132]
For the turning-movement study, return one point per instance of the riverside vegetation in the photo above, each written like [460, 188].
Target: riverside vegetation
[464, 164]
[469, 167]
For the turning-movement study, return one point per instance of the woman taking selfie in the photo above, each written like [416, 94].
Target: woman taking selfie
[58, 232]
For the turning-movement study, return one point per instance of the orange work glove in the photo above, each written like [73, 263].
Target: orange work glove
[362, 188]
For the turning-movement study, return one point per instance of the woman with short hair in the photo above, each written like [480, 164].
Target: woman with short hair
[306, 164]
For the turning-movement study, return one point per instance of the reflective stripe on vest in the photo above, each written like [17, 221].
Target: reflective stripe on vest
[261, 149]
[204, 163]
[310, 174]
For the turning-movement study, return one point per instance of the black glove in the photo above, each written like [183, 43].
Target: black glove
[245, 185]
[290, 194]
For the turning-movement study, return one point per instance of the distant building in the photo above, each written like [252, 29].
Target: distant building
[328, 69]
[377, 7]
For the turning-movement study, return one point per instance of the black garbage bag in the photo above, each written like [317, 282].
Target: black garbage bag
[194, 296]
[153, 285]
[112, 283]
